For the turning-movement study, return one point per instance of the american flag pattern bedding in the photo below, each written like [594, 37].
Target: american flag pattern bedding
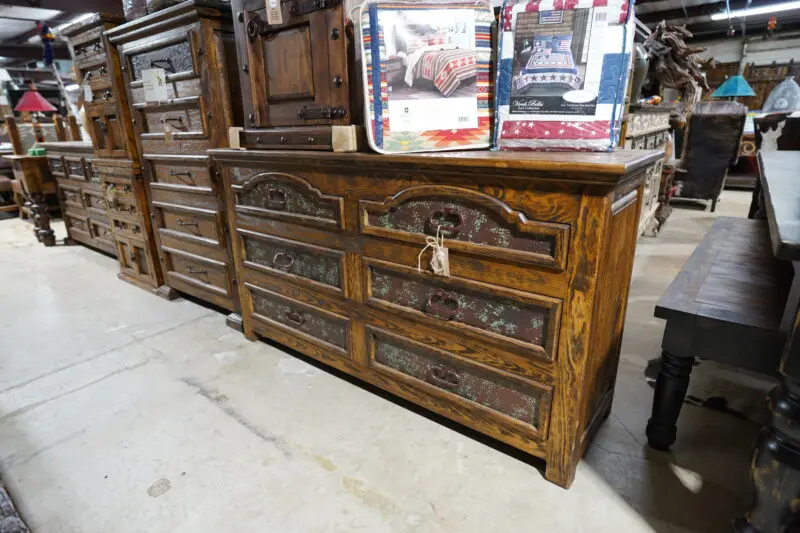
[551, 64]
[447, 69]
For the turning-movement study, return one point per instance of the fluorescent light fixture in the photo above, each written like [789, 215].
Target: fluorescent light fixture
[762, 10]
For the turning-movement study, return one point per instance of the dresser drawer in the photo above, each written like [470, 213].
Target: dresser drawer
[329, 329]
[77, 226]
[192, 171]
[95, 201]
[172, 51]
[74, 168]
[71, 195]
[286, 197]
[105, 128]
[171, 121]
[470, 221]
[134, 261]
[196, 224]
[88, 48]
[131, 229]
[102, 234]
[515, 319]
[311, 139]
[485, 393]
[121, 201]
[95, 74]
[317, 266]
[56, 166]
[209, 279]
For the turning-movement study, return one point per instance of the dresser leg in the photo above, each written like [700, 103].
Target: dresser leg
[671, 386]
[234, 321]
[775, 467]
[167, 292]
[41, 220]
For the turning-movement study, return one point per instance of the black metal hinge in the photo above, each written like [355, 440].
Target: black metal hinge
[325, 112]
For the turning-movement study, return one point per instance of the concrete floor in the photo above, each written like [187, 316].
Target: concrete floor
[123, 412]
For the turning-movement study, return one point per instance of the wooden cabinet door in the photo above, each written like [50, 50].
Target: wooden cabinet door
[108, 134]
[296, 70]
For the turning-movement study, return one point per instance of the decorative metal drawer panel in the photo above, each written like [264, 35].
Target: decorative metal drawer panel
[316, 323]
[497, 392]
[174, 58]
[287, 197]
[470, 221]
[529, 320]
[284, 256]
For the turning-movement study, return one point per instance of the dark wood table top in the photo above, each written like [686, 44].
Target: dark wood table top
[780, 180]
[731, 277]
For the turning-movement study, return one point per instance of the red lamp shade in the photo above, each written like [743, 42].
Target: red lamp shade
[33, 101]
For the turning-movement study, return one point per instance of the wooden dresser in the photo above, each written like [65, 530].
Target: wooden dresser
[81, 194]
[521, 341]
[648, 129]
[192, 44]
[116, 159]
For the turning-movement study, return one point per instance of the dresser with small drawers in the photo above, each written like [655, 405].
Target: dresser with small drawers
[190, 45]
[80, 194]
[115, 162]
[518, 338]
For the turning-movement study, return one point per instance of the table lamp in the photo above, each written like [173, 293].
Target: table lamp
[733, 87]
[34, 102]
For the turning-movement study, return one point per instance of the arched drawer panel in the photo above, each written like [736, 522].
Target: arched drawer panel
[470, 221]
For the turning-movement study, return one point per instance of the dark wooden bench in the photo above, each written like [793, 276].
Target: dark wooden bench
[727, 304]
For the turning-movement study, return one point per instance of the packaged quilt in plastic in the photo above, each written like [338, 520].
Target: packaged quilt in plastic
[562, 74]
[427, 75]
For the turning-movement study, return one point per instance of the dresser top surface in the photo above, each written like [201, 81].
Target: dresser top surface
[206, 8]
[600, 167]
[67, 146]
[782, 199]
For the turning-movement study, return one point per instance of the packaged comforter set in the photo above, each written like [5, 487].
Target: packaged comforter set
[562, 74]
[427, 75]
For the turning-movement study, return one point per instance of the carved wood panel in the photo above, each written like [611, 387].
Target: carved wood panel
[470, 221]
[287, 197]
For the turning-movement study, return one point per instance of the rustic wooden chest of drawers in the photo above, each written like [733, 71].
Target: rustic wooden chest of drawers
[115, 166]
[80, 194]
[193, 44]
[520, 342]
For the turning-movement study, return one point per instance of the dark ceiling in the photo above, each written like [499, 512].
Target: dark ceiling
[696, 15]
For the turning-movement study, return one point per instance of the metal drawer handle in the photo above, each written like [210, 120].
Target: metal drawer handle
[172, 172]
[276, 198]
[443, 305]
[283, 261]
[103, 70]
[88, 75]
[182, 222]
[295, 317]
[107, 95]
[133, 257]
[255, 27]
[98, 46]
[191, 270]
[166, 64]
[176, 122]
[446, 221]
[442, 377]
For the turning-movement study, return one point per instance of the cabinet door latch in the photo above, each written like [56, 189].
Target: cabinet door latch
[324, 112]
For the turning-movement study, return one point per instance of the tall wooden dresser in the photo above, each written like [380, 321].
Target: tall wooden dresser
[190, 46]
[116, 159]
[520, 341]
[648, 129]
[81, 195]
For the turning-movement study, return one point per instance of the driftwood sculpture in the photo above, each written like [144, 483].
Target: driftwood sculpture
[675, 64]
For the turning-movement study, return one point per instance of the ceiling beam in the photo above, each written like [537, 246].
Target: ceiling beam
[82, 6]
[38, 74]
[32, 51]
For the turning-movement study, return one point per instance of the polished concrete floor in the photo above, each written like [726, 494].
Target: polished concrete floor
[122, 412]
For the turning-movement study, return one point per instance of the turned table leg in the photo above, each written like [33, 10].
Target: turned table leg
[775, 467]
[41, 220]
[671, 386]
